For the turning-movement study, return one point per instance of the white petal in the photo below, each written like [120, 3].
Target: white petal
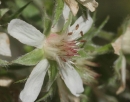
[88, 24]
[84, 26]
[72, 79]
[79, 21]
[66, 12]
[4, 45]
[25, 33]
[123, 76]
[34, 83]
[58, 26]
[64, 17]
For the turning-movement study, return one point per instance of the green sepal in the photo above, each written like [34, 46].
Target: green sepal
[53, 74]
[59, 5]
[31, 58]
[98, 50]
[16, 14]
[46, 23]
[67, 24]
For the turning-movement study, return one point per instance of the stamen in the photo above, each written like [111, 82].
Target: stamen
[70, 33]
[83, 41]
[81, 33]
[63, 59]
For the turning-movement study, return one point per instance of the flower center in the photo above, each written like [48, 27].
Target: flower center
[58, 46]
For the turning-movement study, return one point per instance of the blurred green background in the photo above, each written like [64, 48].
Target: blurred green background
[117, 10]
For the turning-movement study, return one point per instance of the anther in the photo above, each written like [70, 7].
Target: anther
[77, 26]
[70, 33]
[81, 33]
[82, 40]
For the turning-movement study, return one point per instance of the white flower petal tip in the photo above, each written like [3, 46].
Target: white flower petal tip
[66, 11]
[117, 45]
[63, 19]
[25, 33]
[90, 4]
[34, 83]
[58, 26]
[4, 45]
[72, 80]
[73, 5]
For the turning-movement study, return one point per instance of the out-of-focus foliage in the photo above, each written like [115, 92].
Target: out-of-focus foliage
[97, 49]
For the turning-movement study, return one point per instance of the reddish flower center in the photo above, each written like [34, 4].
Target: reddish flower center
[59, 45]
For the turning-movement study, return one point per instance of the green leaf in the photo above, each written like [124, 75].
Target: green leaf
[59, 5]
[82, 53]
[3, 11]
[92, 50]
[52, 72]
[31, 58]
[16, 14]
[98, 50]
[3, 62]
[67, 23]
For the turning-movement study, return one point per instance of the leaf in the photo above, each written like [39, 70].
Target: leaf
[17, 13]
[3, 11]
[59, 5]
[52, 72]
[31, 58]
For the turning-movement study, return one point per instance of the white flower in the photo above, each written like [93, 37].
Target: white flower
[60, 48]
[4, 44]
